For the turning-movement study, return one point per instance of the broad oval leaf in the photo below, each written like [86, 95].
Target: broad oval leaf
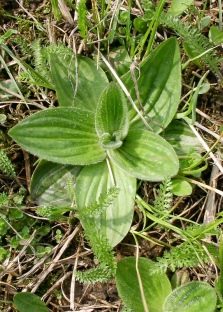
[179, 6]
[27, 302]
[78, 81]
[94, 181]
[158, 84]
[182, 138]
[121, 60]
[191, 297]
[51, 183]
[62, 135]
[146, 155]
[216, 35]
[111, 119]
[156, 286]
[180, 187]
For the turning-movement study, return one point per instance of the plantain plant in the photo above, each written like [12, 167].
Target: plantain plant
[97, 139]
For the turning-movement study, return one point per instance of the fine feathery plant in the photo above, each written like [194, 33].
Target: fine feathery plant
[187, 254]
[40, 76]
[16, 226]
[194, 42]
[163, 201]
[193, 251]
[6, 165]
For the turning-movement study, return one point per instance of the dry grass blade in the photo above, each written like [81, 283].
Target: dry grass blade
[72, 286]
[210, 206]
[206, 147]
[11, 266]
[30, 15]
[65, 12]
[45, 273]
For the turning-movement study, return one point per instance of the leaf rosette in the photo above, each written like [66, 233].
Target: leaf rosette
[104, 140]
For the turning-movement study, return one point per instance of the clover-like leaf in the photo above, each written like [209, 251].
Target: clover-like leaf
[155, 286]
[63, 135]
[111, 119]
[78, 82]
[157, 84]
[96, 180]
[146, 155]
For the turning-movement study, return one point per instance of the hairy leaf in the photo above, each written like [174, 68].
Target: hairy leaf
[111, 119]
[147, 156]
[179, 6]
[63, 135]
[158, 84]
[156, 286]
[191, 297]
[182, 138]
[53, 184]
[94, 181]
[25, 302]
[78, 82]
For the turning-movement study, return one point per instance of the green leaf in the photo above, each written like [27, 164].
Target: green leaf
[10, 86]
[204, 87]
[204, 22]
[111, 119]
[219, 263]
[146, 155]
[3, 118]
[35, 77]
[181, 187]
[55, 10]
[192, 297]
[27, 302]
[182, 138]
[216, 35]
[159, 84]
[51, 184]
[78, 83]
[191, 53]
[96, 180]
[121, 60]
[63, 135]
[179, 6]
[192, 163]
[140, 24]
[156, 286]
[7, 35]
